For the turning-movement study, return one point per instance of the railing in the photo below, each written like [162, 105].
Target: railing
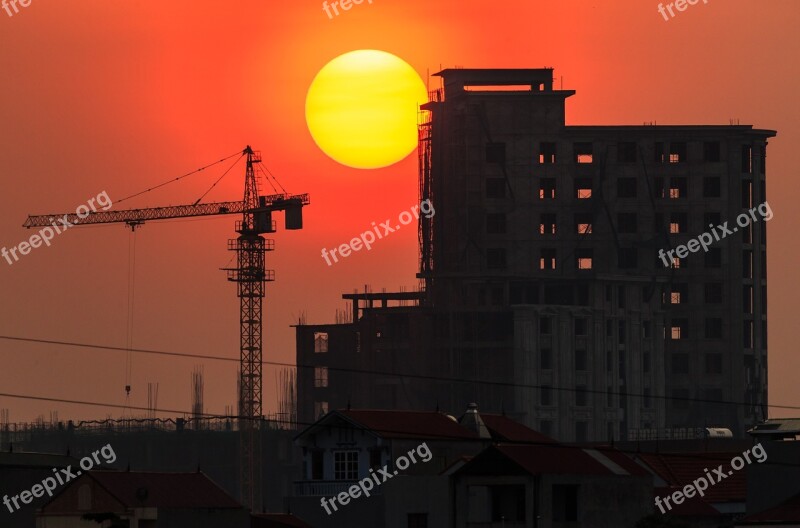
[325, 488]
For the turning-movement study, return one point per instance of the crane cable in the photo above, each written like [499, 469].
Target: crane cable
[129, 321]
[237, 153]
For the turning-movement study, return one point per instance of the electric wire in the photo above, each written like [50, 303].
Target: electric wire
[398, 374]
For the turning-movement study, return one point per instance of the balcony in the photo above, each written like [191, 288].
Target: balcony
[326, 488]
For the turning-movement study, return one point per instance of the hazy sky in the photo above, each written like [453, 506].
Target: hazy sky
[120, 96]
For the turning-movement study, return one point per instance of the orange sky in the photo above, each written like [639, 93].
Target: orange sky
[117, 97]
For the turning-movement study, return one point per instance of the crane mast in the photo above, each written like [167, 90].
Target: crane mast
[250, 276]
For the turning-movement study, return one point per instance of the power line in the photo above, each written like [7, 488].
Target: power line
[395, 374]
[426, 436]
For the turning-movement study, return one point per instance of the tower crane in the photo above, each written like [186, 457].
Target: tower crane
[249, 275]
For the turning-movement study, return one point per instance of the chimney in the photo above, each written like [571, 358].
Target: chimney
[472, 421]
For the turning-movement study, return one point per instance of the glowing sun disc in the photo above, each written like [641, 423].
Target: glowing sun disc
[361, 108]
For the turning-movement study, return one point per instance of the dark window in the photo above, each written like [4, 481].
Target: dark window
[747, 194]
[547, 188]
[713, 328]
[375, 458]
[545, 325]
[747, 159]
[646, 362]
[546, 427]
[565, 499]
[495, 223]
[627, 223]
[712, 187]
[680, 398]
[626, 152]
[581, 326]
[546, 359]
[713, 293]
[627, 258]
[713, 363]
[495, 258]
[417, 520]
[317, 466]
[713, 258]
[580, 359]
[658, 187]
[581, 431]
[580, 398]
[496, 152]
[495, 188]
[658, 152]
[547, 152]
[711, 151]
[545, 396]
[345, 465]
[711, 220]
[626, 187]
[680, 363]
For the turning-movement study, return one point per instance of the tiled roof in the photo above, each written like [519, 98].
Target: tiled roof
[679, 469]
[555, 459]
[788, 511]
[163, 490]
[409, 424]
[693, 507]
[504, 429]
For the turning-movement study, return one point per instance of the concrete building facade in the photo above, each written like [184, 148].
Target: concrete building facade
[548, 290]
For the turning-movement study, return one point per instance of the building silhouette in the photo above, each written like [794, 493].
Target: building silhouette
[548, 290]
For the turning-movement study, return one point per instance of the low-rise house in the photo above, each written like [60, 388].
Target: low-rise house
[111, 499]
[20, 472]
[550, 486]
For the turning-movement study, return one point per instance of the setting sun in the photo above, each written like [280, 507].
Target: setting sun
[361, 109]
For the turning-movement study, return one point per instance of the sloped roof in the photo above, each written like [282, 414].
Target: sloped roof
[427, 425]
[679, 469]
[555, 459]
[690, 507]
[781, 427]
[163, 490]
[504, 429]
[788, 511]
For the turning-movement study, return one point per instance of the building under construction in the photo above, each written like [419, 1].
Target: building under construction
[543, 293]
